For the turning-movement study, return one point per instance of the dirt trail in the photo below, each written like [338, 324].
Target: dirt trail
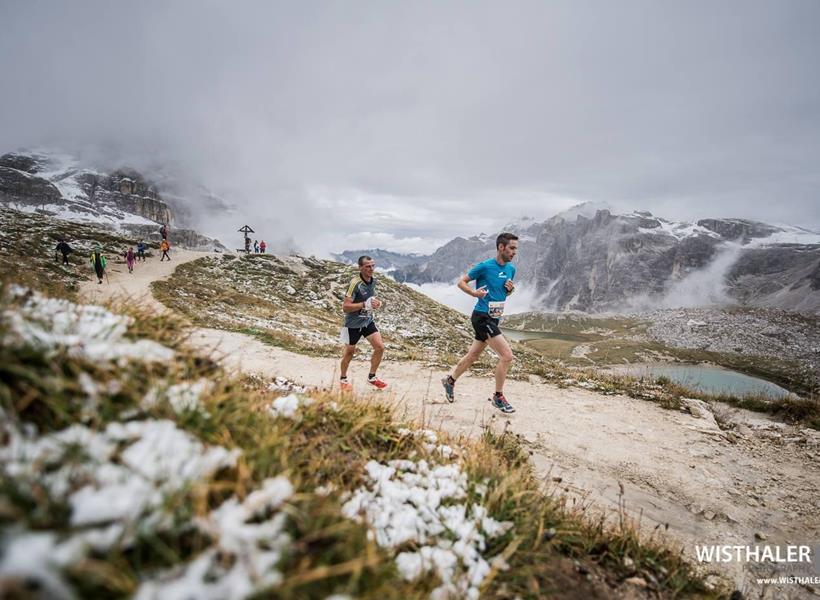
[676, 469]
[135, 286]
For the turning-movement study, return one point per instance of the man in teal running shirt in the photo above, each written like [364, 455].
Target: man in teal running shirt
[494, 282]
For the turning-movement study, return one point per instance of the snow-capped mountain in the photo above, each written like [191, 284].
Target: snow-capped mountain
[57, 183]
[638, 260]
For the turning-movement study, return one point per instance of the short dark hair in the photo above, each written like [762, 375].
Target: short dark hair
[504, 238]
[363, 258]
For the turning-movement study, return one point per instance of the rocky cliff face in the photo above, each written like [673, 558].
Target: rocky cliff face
[608, 261]
[785, 276]
[446, 263]
[738, 229]
[128, 190]
[55, 184]
[21, 187]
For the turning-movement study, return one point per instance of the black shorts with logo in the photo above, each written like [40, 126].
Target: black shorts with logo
[354, 334]
[485, 326]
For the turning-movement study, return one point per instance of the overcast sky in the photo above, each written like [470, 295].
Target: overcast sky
[354, 124]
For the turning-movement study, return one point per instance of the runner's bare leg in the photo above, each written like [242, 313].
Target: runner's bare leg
[505, 357]
[468, 359]
[376, 341]
[347, 356]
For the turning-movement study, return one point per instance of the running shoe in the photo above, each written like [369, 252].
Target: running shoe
[377, 383]
[449, 389]
[346, 386]
[500, 402]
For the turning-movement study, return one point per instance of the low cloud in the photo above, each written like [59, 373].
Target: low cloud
[321, 121]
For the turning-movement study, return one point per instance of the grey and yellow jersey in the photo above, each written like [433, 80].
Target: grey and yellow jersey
[360, 290]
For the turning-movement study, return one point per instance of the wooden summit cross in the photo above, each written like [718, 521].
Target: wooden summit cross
[246, 230]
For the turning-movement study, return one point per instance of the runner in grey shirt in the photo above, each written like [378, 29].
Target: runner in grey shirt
[359, 304]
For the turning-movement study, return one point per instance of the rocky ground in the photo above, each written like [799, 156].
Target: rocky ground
[748, 331]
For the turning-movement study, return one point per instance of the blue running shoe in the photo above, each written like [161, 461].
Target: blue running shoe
[500, 402]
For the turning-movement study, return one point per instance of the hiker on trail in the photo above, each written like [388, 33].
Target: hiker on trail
[130, 257]
[164, 246]
[64, 249]
[141, 251]
[98, 263]
[255, 247]
[263, 246]
[163, 231]
[494, 282]
[359, 304]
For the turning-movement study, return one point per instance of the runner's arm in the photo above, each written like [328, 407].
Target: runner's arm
[464, 286]
[349, 306]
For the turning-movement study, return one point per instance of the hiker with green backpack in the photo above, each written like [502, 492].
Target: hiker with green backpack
[98, 263]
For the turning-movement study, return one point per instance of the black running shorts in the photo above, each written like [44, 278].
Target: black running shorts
[354, 334]
[485, 326]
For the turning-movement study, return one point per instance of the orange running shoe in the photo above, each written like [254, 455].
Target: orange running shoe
[377, 383]
[346, 386]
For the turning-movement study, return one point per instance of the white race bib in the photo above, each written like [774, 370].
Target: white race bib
[496, 310]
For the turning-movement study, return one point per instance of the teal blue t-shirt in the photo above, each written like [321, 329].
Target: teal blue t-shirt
[492, 275]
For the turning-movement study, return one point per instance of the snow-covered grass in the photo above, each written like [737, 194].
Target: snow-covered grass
[288, 406]
[250, 532]
[169, 479]
[413, 501]
[56, 325]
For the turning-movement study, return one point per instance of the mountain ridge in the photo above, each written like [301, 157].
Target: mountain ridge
[637, 260]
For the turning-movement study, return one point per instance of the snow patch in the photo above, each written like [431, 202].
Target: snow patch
[115, 483]
[250, 532]
[83, 331]
[678, 230]
[182, 397]
[287, 406]
[415, 502]
[430, 438]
